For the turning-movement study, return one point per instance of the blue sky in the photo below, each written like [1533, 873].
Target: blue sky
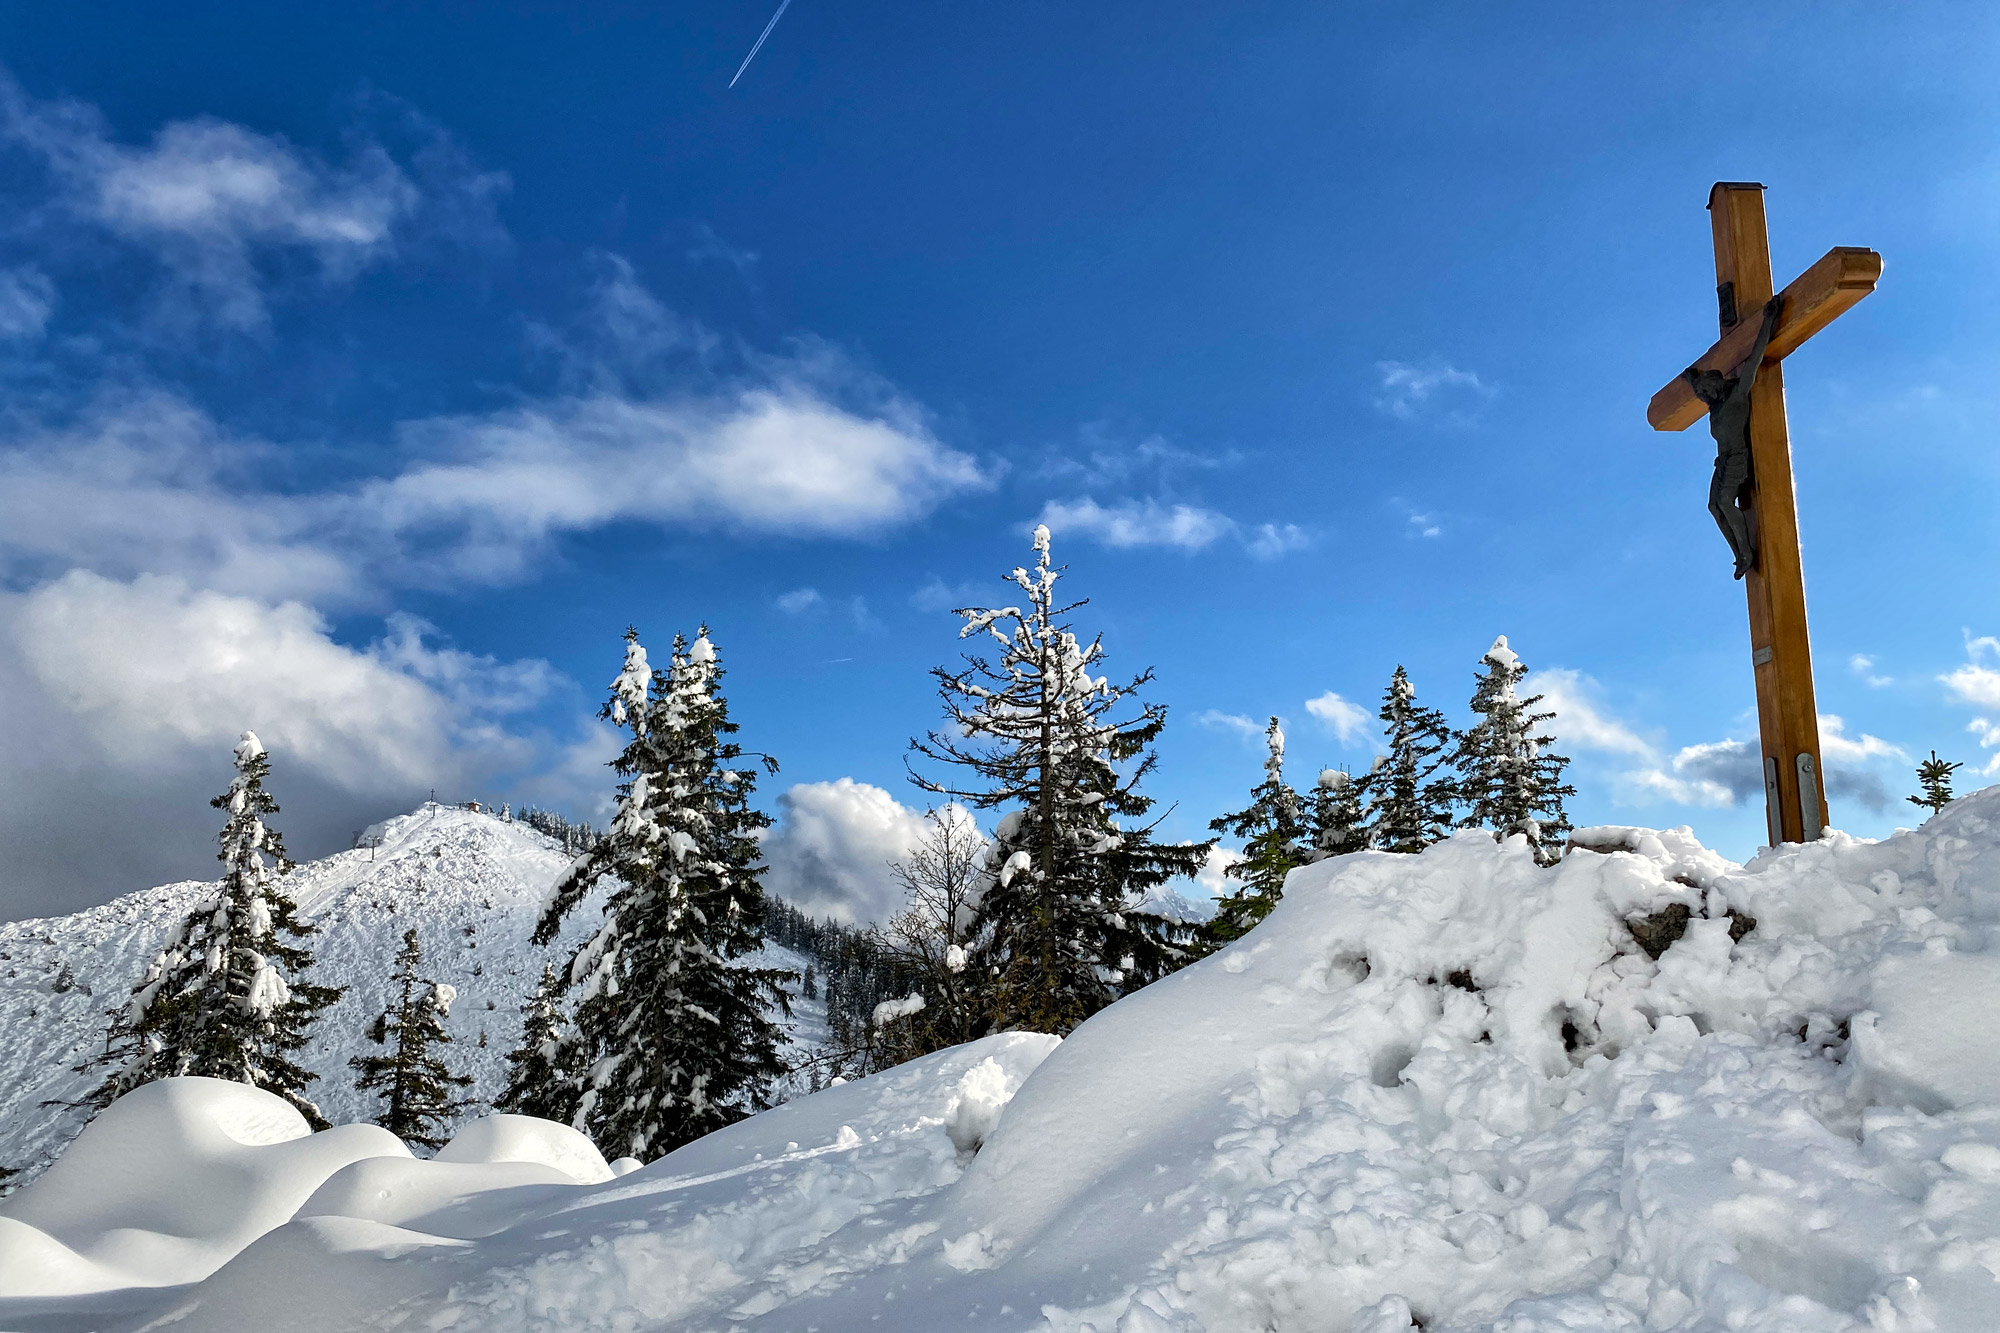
[370, 369]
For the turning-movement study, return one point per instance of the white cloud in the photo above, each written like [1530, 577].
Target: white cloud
[217, 203]
[1346, 719]
[798, 600]
[773, 459]
[1987, 733]
[1213, 877]
[1979, 685]
[1836, 747]
[1862, 665]
[233, 187]
[1433, 389]
[1848, 776]
[1974, 684]
[1730, 772]
[624, 340]
[1217, 720]
[857, 611]
[1148, 522]
[1424, 525]
[1105, 456]
[1714, 774]
[1268, 541]
[830, 851]
[152, 485]
[1579, 722]
[120, 701]
[1136, 523]
[154, 667]
[1711, 774]
[27, 299]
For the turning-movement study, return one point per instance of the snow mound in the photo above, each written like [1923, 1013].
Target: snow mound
[1463, 1085]
[1642, 1090]
[523, 1138]
[454, 1200]
[976, 1104]
[728, 1222]
[169, 1183]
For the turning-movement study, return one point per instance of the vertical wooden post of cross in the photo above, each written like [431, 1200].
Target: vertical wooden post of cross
[1780, 651]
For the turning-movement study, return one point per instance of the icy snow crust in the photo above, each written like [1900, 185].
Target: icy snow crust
[1449, 1087]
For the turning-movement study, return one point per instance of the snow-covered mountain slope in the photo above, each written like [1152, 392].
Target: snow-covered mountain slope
[1646, 1089]
[472, 886]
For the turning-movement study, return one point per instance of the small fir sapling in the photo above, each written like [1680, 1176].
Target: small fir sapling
[1058, 931]
[1509, 780]
[1934, 775]
[539, 1082]
[1409, 803]
[1276, 841]
[674, 1037]
[418, 1091]
[225, 998]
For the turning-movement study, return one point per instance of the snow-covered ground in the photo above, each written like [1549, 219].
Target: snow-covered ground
[1449, 1091]
[472, 886]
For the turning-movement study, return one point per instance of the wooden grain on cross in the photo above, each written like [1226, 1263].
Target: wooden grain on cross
[1780, 651]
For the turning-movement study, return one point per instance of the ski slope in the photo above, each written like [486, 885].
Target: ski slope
[1451, 1091]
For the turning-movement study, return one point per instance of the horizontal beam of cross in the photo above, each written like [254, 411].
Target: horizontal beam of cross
[1814, 300]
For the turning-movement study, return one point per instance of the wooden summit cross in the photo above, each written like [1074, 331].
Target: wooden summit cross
[1780, 653]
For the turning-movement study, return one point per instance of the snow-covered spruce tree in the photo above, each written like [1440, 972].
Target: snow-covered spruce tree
[225, 998]
[419, 1093]
[1059, 930]
[1409, 805]
[1335, 821]
[1274, 843]
[538, 1082]
[1508, 778]
[674, 1038]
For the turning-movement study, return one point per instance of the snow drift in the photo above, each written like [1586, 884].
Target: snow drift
[1645, 1089]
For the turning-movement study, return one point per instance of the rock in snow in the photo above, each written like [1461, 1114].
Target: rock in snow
[1449, 1091]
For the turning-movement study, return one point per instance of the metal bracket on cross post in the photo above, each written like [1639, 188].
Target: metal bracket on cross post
[1809, 807]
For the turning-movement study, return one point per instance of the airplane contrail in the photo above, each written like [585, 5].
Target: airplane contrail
[760, 41]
